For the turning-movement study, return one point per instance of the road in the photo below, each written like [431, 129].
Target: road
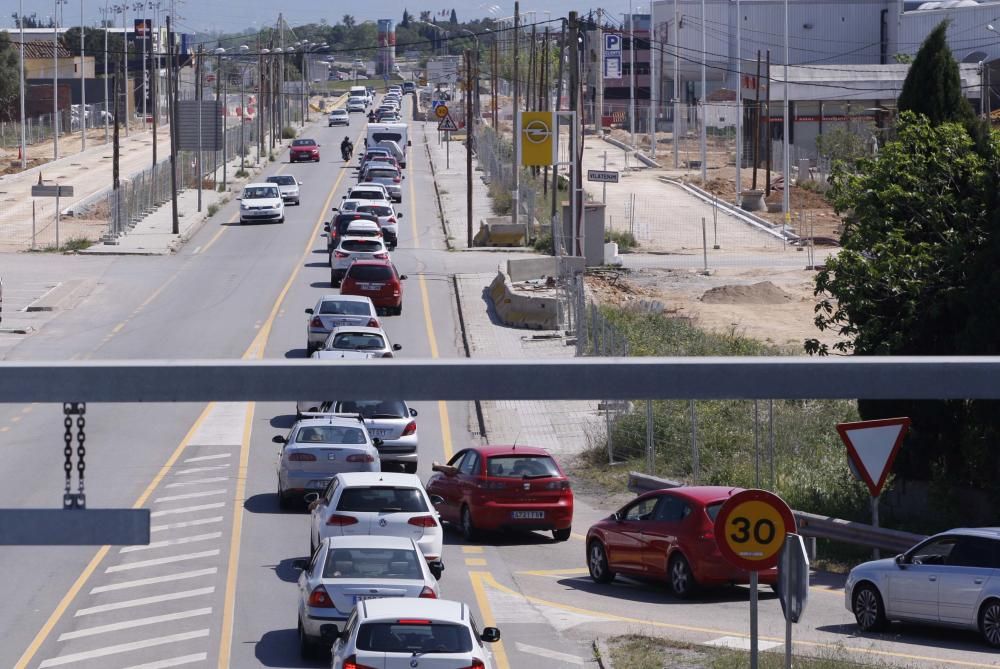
[216, 586]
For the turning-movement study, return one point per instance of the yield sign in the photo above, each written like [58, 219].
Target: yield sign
[872, 446]
[447, 124]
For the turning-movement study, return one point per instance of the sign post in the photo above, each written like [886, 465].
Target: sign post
[872, 446]
[56, 191]
[793, 586]
[750, 530]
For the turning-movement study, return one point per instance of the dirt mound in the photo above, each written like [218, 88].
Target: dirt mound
[764, 292]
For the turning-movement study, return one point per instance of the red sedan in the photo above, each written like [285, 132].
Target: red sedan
[667, 535]
[303, 149]
[504, 487]
[377, 279]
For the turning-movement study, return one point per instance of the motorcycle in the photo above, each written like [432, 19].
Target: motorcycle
[346, 152]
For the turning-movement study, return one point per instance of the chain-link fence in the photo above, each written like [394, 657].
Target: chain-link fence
[495, 154]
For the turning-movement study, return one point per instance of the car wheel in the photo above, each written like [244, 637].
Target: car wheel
[562, 535]
[989, 622]
[682, 582]
[284, 503]
[334, 282]
[409, 467]
[469, 531]
[869, 612]
[398, 310]
[597, 563]
[307, 648]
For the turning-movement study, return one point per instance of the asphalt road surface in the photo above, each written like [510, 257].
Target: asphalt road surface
[216, 587]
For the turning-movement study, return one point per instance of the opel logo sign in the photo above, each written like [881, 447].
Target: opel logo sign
[413, 663]
[537, 132]
[382, 522]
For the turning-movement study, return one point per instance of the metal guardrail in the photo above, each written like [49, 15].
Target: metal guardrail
[810, 524]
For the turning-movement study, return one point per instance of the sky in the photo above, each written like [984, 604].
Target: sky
[234, 15]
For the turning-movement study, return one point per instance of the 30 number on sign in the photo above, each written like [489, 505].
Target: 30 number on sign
[751, 527]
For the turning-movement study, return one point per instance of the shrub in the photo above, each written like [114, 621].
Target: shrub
[625, 240]
[213, 209]
[288, 132]
[543, 243]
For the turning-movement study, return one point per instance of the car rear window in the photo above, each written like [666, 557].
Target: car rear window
[522, 466]
[382, 174]
[357, 341]
[378, 210]
[413, 637]
[345, 307]
[361, 245]
[374, 408]
[282, 180]
[369, 273]
[381, 498]
[330, 434]
[713, 509]
[367, 195]
[387, 137]
[392, 563]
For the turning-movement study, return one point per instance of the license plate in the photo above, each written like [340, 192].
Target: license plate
[317, 485]
[378, 432]
[370, 286]
[362, 598]
[331, 456]
[527, 515]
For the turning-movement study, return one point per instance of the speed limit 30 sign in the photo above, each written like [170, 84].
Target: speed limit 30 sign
[750, 529]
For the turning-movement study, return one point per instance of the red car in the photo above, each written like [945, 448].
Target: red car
[303, 149]
[377, 279]
[667, 535]
[504, 487]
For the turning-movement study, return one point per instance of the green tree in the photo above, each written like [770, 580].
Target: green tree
[32, 21]
[9, 79]
[453, 18]
[841, 145]
[94, 46]
[348, 21]
[919, 235]
[933, 86]
[405, 23]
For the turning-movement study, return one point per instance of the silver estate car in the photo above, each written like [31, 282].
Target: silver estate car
[346, 570]
[389, 420]
[951, 579]
[317, 449]
[334, 311]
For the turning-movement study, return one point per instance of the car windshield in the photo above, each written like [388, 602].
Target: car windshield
[387, 136]
[416, 637]
[378, 210]
[522, 466]
[330, 434]
[361, 245]
[381, 498]
[349, 206]
[345, 307]
[356, 341]
[369, 273]
[391, 563]
[303, 142]
[282, 180]
[338, 112]
[374, 408]
[259, 192]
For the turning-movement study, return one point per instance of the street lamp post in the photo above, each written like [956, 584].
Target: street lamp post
[83, 88]
[24, 139]
[55, 79]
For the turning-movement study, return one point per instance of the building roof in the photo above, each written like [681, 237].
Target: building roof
[856, 82]
[41, 50]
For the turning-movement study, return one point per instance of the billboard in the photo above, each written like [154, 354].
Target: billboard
[386, 60]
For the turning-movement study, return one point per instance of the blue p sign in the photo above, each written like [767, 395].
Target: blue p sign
[612, 42]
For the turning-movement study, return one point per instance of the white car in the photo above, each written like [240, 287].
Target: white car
[350, 249]
[373, 341]
[381, 504]
[388, 220]
[334, 311]
[366, 191]
[303, 407]
[348, 570]
[356, 104]
[338, 117]
[261, 202]
[364, 228]
[318, 448]
[288, 186]
[423, 633]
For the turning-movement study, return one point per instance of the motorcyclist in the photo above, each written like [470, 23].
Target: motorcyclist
[346, 148]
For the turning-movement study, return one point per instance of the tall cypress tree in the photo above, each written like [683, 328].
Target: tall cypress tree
[933, 86]
[454, 17]
[405, 23]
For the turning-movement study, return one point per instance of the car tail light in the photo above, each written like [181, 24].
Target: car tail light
[410, 428]
[557, 485]
[707, 535]
[316, 322]
[381, 256]
[423, 521]
[372, 323]
[339, 255]
[413, 621]
[395, 180]
[427, 593]
[341, 521]
[391, 221]
[302, 457]
[352, 663]
[476, 664]
[361, 457]
[320, 599]
[395, 292]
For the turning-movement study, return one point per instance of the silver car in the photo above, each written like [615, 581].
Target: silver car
[389, 420]
[303, 407]
[346, 570]
[317, 449]
[338, 117]
[951, 579]
[333, 311]
[288, 186]
[388, 176]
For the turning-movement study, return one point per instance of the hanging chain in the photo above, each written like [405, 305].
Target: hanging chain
[77, 500]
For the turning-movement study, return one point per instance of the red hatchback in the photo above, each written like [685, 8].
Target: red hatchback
[667, 535]
[377, 279]
[303, 149]
[504, 487]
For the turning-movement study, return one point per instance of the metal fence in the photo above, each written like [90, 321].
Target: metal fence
[495, 154]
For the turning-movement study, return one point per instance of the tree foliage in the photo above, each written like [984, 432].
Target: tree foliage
[94, 46]
[405, 23]
[9, 78]
[32, 21]
[933, 86]
[841, 145]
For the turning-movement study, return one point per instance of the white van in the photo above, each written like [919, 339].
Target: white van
[360, 92]
[390, 132]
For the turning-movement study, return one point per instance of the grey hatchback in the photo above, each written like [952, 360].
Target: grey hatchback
[951, 579]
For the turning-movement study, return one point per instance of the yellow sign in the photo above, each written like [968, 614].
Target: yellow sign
[441, 111]
[750, 529]
[538, 138]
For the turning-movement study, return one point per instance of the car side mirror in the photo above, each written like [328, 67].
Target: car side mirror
[901, 560]
[278, 439]
[413, 412]
[300, 564]
[397, 347]
[437, 569]
[447, 470]
[403, 277]
[309, 310]
[399, 216]
[616, 516]
[377, 442]
[239, 198]
[490, 635]
[311, 498]
[437, 500]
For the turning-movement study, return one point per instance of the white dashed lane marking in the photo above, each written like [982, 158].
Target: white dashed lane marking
[188, 484]
[202, 458]
[190, 495]
[158, 561]
[187, 509]
[122, 648]
[140, 582]
[153, 545]
[145, 601]
[137, 622]
[172, 662]
[186, 523]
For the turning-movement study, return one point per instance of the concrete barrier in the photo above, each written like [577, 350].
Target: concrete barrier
[499, 232]
[534, 312]
[525, 269]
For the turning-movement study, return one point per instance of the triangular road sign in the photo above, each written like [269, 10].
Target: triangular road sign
[447, 124]
[872, 446]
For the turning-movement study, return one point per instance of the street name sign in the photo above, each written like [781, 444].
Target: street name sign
[39, 190]
[602, 176]
[872, 446]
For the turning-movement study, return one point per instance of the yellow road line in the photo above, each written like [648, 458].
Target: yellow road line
[472, 549]
[232, 219]
[475, 562]
[578, 536]
[575, 571]
[477, 578]
[487, 578]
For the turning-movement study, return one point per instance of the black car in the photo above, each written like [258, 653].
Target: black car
[338, 226]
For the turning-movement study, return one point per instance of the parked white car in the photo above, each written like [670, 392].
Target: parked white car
[346, 570]
[424, 633]
[261, 202]
[382, 504]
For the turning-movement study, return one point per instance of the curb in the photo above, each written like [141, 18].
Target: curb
[640, 156]
[735, 212]
[480, 417]
[437, 194]
[602, 654]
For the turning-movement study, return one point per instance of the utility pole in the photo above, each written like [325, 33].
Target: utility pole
[756, 130]
[468, 146]
[198, 96]
[631, 71]
[125, 89]
[704, 99]
[517, 112]
[546, 101]
[154, 74]
[677, 89]
[495, 78]
[281, 79]
[115, 156]
[767, 124]
[654, 84]
[559, 87]
[260, 101]
[739, 105]
[20, 83]
[171, 96]
[599, 86]
[83, 87]
[786, 192]
[55, 82]
[574, 106]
